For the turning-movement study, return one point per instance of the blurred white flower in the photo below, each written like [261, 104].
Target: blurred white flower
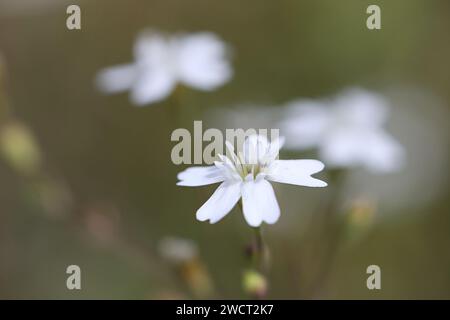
[420, 121]
[197, 60]
[247, 174]
[348, 131]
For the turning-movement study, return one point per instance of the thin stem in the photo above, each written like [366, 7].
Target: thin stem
[258, 250]
[259, 261]
[331, 230]
[258, 254]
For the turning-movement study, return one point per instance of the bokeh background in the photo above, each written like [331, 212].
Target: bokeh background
[87, 179]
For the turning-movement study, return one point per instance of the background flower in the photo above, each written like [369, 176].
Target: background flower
[197, 60]
[347, 130]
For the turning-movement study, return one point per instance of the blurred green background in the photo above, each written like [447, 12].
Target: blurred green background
[102, 194]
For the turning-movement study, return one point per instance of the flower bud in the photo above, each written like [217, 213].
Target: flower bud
[255, 284]
[19, 148]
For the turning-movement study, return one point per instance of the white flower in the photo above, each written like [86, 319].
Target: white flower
[347, 131]
[197, 60]
[246, 175]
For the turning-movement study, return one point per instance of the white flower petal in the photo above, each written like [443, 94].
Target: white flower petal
[296, 172]
[228, 169]
[360, 107]
[255, 148]
[305, 124]
[374, 149]
[152, 86]
[273, 151]
[220, 203]
[384, 154]
[200, 176]
[259, 202]
[345, 147]
[202, 61]
[116, 79]
[151, 49]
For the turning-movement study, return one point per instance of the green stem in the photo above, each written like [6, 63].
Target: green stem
[331, 233]
[258, 250]
[258, 254]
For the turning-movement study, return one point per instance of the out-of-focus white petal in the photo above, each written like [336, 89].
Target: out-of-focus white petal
[346, 130]
[200, 176]
[259, 203]
[297, 172]
[152, 86]
[220, 203]
[116, 79]
[344, 148]
[358, 107]
[384, 154]
[374, 149]
[305, 124]
[202, 61]
[151, 49]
